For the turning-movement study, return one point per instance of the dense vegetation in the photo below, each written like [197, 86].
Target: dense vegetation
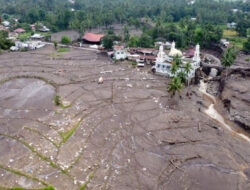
[84, 14]
[4, 42]
[179, 20]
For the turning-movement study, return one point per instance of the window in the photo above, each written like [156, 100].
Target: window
[158, 65]
[163, 66]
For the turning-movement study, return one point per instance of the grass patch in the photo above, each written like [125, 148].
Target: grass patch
[237, 41]
[68, 134]
[65, 107]
[84, 186]
[133, 63]
[54, 55]
[23, 174]
[229, 33]
[61, 50]
[32, 149]
[247, 59]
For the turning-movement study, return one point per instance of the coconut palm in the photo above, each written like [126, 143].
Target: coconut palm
[177, 60]
[175, 86]
[174, 68]
[183, 76]
[188, 68]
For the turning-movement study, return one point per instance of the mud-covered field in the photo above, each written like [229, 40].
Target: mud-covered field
[124, 134]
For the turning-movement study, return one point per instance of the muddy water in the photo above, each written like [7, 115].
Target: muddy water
[214, 114]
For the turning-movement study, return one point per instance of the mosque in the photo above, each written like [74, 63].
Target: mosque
[164, 62]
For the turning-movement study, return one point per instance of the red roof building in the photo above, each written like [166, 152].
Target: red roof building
[92, 38]
[19, 30]
[189, 53]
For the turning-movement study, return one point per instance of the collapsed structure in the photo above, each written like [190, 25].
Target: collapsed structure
[164, 62]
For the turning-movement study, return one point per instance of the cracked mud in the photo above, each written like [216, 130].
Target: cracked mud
[124, 134]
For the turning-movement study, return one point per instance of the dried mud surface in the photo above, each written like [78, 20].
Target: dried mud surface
[122, 135]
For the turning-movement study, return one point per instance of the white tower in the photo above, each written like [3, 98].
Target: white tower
[196, 57]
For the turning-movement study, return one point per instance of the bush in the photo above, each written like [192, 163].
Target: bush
[66, 40]
[4, 42]
[57, 100]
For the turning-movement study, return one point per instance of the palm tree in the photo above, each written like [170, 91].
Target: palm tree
[177, 60]
[174, 68]
[188, 68]
[175, 86]
[183, 76]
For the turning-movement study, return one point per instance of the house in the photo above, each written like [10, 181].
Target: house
[92, 38]
[193, 19]
[19, 30]
[44, 29]
[120, 52]
[31, 45]
[3, 28]
[164, 62]
[231, 25]
[146, 54]
[189, 53]
[224, 43]
[6, 23]
[37, 37]
[33, 27]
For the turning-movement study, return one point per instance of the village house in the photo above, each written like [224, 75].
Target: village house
[3, 28]
[148, 55]
[224, 43]
[19, 30]
[231, 25]
[120, 52]
[37, 37]
[92, 38]
[44, 29]
[6, 23]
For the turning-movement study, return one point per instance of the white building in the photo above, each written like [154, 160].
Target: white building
[32, 45]
[6, 23]
[231, 25]
[164, 62]
[120, 52]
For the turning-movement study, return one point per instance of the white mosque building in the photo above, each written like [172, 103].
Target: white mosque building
[164, 62]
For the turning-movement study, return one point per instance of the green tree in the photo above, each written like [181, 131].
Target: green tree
[246, 45]
[175, 86]
[107, 41]
[66, 40]
[126, 34]
[145, 41]
[133, 41]
[183, 76]
[188, 68]
[55, 44]
[174, 68]
[228, 58]
[177, 60]
[4, 42]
